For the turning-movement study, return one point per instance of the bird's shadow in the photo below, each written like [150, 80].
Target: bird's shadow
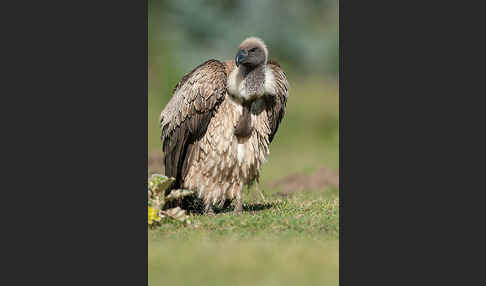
[195, 206]
[252, 207]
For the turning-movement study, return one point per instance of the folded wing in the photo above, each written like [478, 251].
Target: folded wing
[186, 117]
[277, 101]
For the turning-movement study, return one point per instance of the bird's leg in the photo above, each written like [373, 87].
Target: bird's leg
[258, 189]
[239, 204]
[209, 210]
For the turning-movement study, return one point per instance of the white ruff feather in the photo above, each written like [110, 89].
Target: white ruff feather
[236, 84]
[269, 82]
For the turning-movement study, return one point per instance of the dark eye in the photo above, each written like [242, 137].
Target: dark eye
[253, 49]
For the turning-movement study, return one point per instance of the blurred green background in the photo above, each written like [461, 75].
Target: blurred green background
[303, 37]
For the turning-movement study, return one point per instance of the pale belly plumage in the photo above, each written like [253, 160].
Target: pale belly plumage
[222, 163]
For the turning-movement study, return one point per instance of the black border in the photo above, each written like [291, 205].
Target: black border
[80, 143]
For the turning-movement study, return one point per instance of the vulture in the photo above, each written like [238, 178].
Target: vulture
[219, 123]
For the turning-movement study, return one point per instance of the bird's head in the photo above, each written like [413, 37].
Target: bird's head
[252, 53]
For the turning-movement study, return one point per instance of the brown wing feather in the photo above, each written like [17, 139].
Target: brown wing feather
[186, 117]
[276, 103]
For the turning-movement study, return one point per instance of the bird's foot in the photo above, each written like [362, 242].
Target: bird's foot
[238, 207]
[209, 211]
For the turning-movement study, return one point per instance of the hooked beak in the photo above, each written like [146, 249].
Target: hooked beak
[240, 57]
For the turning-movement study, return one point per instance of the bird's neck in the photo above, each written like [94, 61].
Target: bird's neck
[256, 74]
[247, 84]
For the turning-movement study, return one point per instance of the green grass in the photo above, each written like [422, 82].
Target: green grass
[283, 241]
[244, 263]
[304, 216]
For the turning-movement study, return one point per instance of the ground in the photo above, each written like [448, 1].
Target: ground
[289, 238]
